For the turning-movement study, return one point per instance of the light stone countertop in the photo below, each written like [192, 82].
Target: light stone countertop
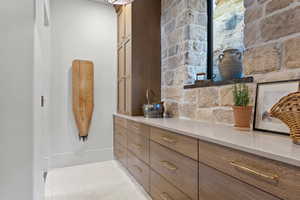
[268, 145]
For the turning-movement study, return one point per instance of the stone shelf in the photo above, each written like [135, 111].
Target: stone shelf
[209, 83]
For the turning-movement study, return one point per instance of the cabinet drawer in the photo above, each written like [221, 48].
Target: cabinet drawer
[120, 153]
[182, 144]
[139, 170]
[139, 145]
[121, 122]
[139, 128]
[218, 186]
[120, 135]
[271, 176]
[179, 170]
[162, 190]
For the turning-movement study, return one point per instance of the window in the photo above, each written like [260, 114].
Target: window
[225, 31]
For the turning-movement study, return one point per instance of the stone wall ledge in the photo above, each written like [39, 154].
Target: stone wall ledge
[209, 83]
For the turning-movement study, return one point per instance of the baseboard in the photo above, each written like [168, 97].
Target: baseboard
[72, 159]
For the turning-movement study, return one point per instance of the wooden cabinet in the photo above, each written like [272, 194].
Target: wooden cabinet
[121, 135]
[120, 153]
[121, 81]
[139, 54]
[271, 176]
[218, 186]
[120, 140]
[118, 121]
[128, 80]
[131, 149]
[182, 144]
[174, 166]
[139, 145]
[139, 170]
[181, 171]
[128, 21]
[139, 129]
[121, 27]
[161, 189]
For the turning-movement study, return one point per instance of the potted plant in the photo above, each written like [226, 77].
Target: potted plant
[241, 109]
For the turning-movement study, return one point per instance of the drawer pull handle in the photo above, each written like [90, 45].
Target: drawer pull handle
[138, 168]
[165, 196]
[135, 128]
[121, 152]
[138, 146]
[122, 78]
[256, 173]
[169, 165]
[169, 140]
[120, 134]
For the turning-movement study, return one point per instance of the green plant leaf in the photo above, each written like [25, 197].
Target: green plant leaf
[241, 95]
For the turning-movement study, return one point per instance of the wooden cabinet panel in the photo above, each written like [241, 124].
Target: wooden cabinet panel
[121, 81]
[161, 189]
[139, 145]
[118, 121]
[121, 25]
[121, 97]
[139, 170]
[139, 128]
[182, 144]
[128, 64]
[218, 186]
[271, 176]
[221, 174]
[179, 170]
[120, 153]
[142, 65]
[120, 140]
[121, 135]
[128, 97]
[121, 63]
[128, 21]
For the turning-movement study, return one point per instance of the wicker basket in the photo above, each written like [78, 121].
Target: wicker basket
[288, 111]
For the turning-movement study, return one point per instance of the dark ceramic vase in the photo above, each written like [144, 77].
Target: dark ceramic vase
[230, 64]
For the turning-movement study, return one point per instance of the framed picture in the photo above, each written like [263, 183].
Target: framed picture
[268, 94]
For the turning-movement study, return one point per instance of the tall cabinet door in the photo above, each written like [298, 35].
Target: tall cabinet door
[128, 72]
[121, 81]
[128, 21]
[121, 26]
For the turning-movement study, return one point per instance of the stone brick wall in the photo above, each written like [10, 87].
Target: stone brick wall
[184, 40]
[272, 41]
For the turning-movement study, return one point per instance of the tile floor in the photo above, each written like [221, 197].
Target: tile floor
[100, 181]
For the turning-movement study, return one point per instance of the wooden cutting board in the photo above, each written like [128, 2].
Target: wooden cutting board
[83, 95]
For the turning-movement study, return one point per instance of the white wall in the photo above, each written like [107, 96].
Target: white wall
[16, 102]
[42, 52]
[82, 29]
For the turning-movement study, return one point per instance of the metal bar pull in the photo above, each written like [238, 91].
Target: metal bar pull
[272, 177]
[138, 146]
[138, 168]
[120, 133]
[120, 152]
[165, 196]
[169, 165]
[169, 140]
[122, 78]
[136, 127]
